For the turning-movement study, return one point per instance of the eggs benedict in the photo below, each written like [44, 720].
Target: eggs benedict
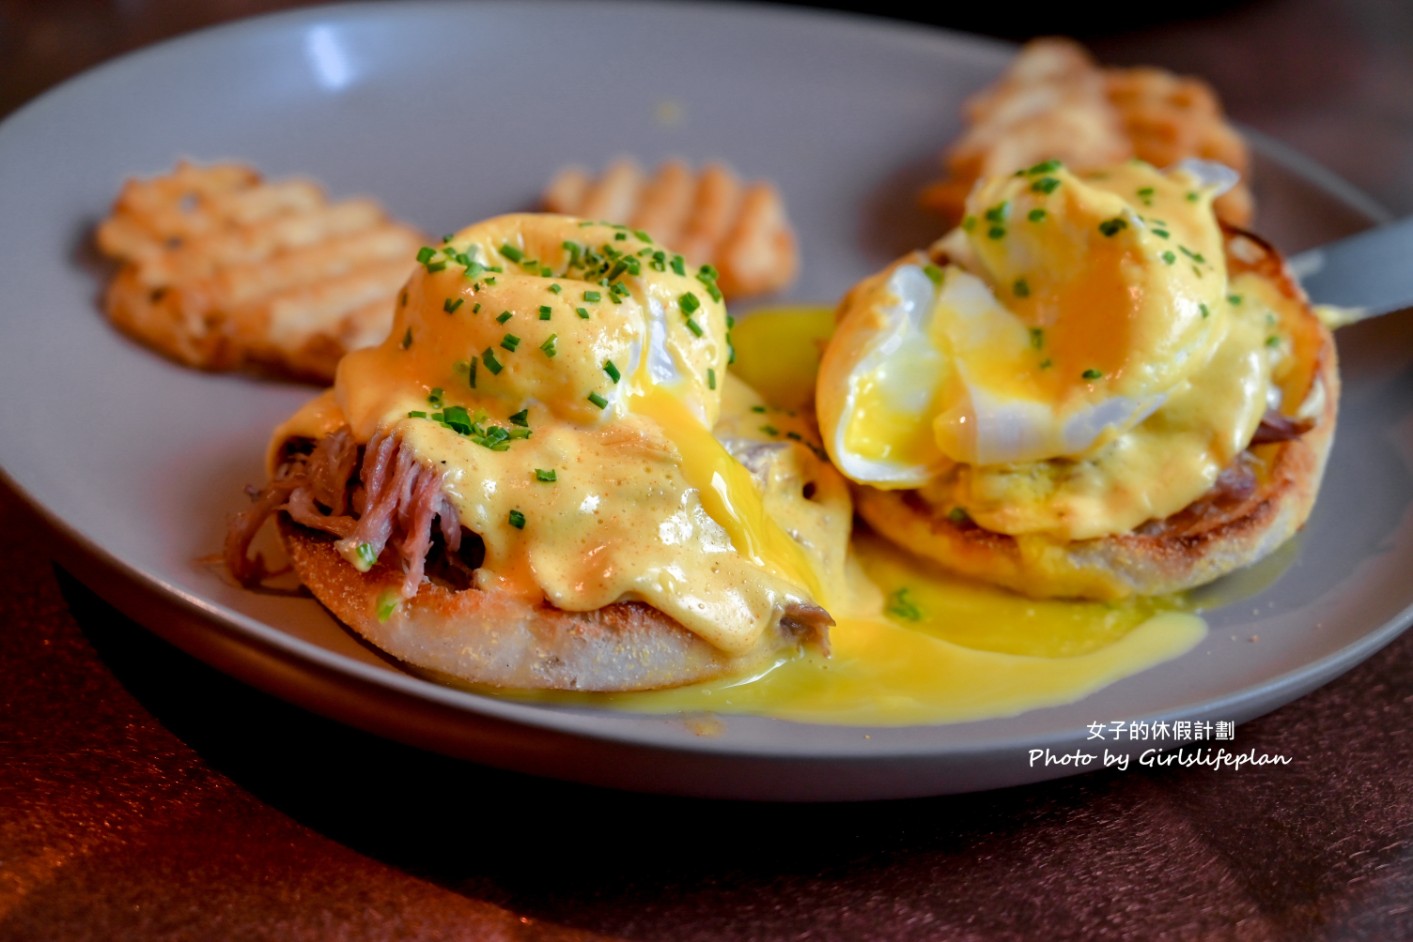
[1091, 387]
[521, 486]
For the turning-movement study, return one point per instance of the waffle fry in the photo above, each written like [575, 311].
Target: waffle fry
[222, 270]
[710, 217]
[1055, 102]
[1168, 118]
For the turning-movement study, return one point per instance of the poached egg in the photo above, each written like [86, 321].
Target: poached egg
[1070, 361]
[566, 377]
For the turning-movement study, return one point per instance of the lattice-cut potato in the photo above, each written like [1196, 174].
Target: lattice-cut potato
[1054, 102]
[709, 215]
[222, 270]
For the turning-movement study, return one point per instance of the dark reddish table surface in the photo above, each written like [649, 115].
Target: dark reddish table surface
[146, 796]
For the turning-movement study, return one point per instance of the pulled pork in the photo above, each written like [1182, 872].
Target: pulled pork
[372, 499]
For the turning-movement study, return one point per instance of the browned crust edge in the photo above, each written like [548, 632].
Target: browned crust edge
[473, 637]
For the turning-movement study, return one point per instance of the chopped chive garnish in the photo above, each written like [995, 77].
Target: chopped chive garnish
[1035, 215]
[504, 316]
[1046, 185]
[1091, 374]
[548, 476]
[1195, 256]
[367, 556]
[598, 400]
[1169, 258]
[901, 606]
[1234, 299]
[959, 515]
[450, 305]
[1045, 166]
[689, 302]
[1273, 341]
[707, 276]
[582, 312]
[934, 273]
[968, 223]
[1203, 309]
[999, 212]
[548, 347]
[1037, 337]
[521, 418]
[1111, 227]
[407, 339]
[770, 430]
[492, 364]
[678, 264]
[1161, 233]
[511, 252]
[425, 254]
[1046, 363]
[995, 232]
[457, 419]
[612, 370]
[592, 296]
[510, 342]
[417, 414]
[694, 327]
[1021, 288]
[711, 378]
[387, 604]
[555, 288]
[545, 312]
[516, 519]
[471, 372]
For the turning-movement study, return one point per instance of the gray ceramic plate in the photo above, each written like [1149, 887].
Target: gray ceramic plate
[449, 113]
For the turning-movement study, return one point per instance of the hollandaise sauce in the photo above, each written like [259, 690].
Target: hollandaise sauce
[946, 650]
[567, 381]
[913, 644]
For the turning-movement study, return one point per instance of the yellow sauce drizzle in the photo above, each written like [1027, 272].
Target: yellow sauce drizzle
[942, 649]
[972, 652]
[727, 491]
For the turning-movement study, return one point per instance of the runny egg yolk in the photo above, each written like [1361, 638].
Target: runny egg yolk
[1022, 364]
[566, 377]
[914, 644]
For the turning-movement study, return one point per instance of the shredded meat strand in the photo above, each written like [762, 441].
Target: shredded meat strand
[241, 528]
[395, 504]
[1276, 427]
[1233, 487]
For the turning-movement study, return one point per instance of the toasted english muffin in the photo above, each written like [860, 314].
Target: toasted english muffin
[459, 633]
[1258, 502]
[473, 636]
